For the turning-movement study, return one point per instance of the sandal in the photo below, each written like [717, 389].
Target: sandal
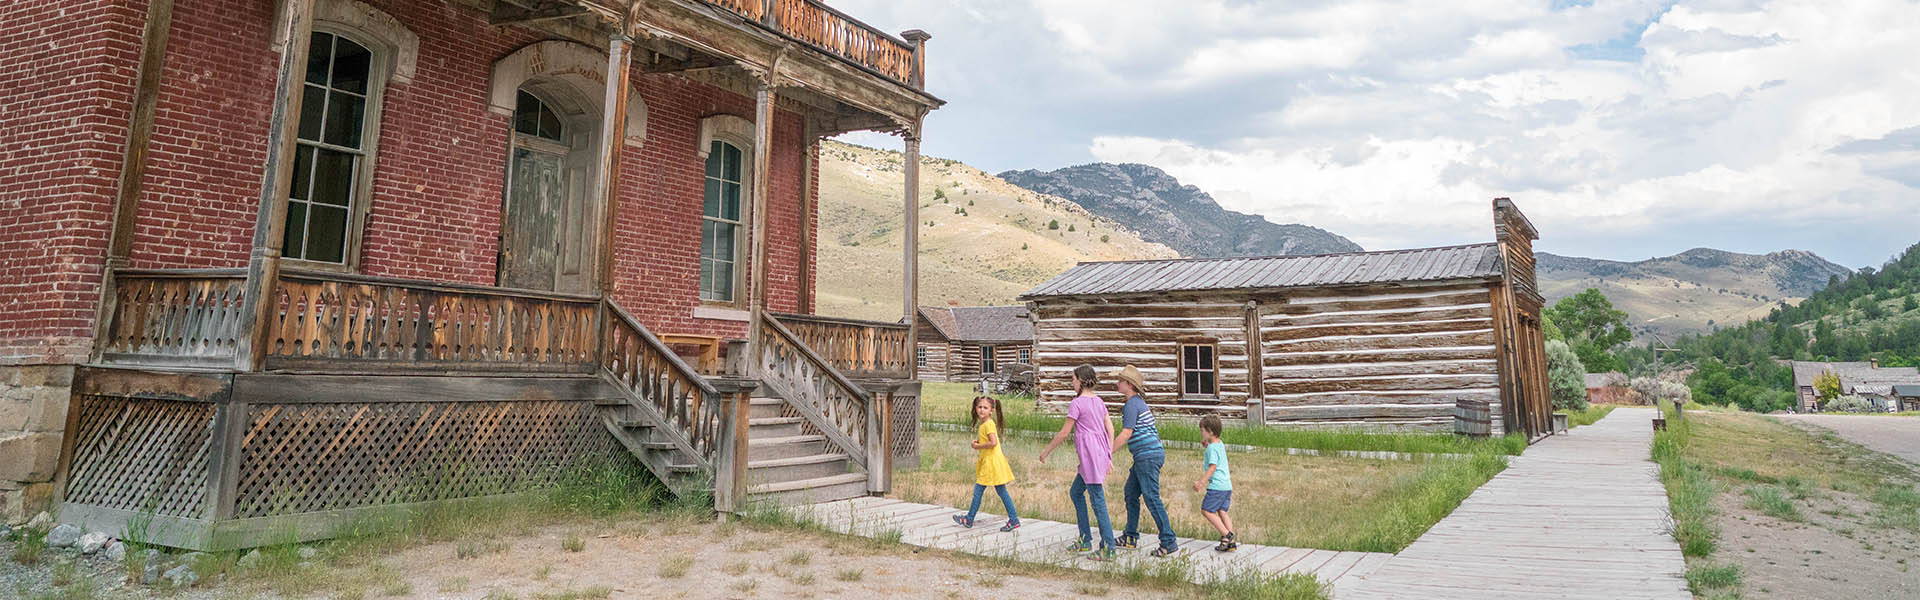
[1226, 544]
[1080, 546]
[1105, 554]
[1128, 542]
[1161, 552]
[963, 521]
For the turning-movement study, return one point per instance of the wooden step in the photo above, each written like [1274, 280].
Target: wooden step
[776, 420]
[609, 401]
[797, 468]
[808, 491]
[664, 446]
[761, 408]
[774, 426]
[633, 423]
[683, 468]
[766, 448]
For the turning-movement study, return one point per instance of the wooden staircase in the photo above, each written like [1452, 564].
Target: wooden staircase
[787, 466]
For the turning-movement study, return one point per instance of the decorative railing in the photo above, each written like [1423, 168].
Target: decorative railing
[841, 410]
[649, 372]
[331, 322]
[834, 32]
[174, 317]
[859, 349]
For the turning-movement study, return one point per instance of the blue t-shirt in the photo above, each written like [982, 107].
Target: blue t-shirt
[1217, 455]
[1146, 438]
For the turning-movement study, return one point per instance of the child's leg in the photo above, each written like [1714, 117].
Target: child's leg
[1079, 494]
[1214, 519]
[1150, 492]
[1130, 497]
[977, 488]
[1227, 520]
[1097, 494]
[1013, 516]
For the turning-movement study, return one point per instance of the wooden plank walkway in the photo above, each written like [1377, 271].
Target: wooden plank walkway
[1038, 541]
[1581, 515]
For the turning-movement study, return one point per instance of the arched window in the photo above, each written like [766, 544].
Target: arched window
[330, 170]
[535, 118]
[720, 222]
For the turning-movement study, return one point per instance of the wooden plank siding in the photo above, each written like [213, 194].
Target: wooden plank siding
[1148, 335]
[935, 368]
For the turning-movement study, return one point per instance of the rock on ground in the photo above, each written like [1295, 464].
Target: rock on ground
[63, 535]
[40, 521]
[181, 576]
[250, 560]
[116, 551]
[93, 541]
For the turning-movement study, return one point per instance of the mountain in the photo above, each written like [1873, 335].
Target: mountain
[1184, 218]
[1693, 291]
[982, 240]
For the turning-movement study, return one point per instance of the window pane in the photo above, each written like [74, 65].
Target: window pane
[313, 103]
[1190, 382]
[344, 112]
[723, 241]
[716, 154]
[1186, 357]
[292, 245]
[326, 233]
[733, 163]
[730, 201]
[1206, 357]
[333, 177]
[549, 123]
[351, 63]
[706, 279]
[723, 281]
[526, 113]
[712, 206]
[319, 55]
[302, 171]
[1206, 383]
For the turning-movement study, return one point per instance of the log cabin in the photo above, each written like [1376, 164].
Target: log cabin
[273, 266]
[965, 343]
[1392, 340]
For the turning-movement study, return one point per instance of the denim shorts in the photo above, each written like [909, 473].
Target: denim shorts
[1217, 500]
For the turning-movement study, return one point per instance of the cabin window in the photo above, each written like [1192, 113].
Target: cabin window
[720, 223]
[1024, 355]
[920, 356]
[1197, 374]
[330, 163]
[986, 360]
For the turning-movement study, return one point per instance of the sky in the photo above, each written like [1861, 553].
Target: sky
[1624, 129]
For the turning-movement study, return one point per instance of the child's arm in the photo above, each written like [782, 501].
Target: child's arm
[1120, 441]
[993, 439]
[1198, 485]
[1066, 429]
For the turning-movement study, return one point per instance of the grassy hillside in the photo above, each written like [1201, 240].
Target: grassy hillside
[982, 240]
[1694, 291]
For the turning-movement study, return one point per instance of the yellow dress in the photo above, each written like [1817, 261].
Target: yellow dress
[993, 468]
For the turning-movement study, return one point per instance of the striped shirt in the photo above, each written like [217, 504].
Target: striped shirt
[1146, 438]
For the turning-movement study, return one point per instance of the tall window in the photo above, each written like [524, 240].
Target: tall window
[986, 360]
[720, 223]
[920, 356]
[331, 154]
[1197, 375]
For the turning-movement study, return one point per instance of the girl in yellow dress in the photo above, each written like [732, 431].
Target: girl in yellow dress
[993, 469]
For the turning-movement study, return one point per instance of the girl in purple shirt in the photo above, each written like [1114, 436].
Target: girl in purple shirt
[1093, 439]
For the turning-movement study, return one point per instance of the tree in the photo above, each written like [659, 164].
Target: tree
[1069, 228]
[1712, 384]
[1054, 224]
[1593, 327]
[1910, 305]
[1551, 329]
[1566, 377]
[1826, 385]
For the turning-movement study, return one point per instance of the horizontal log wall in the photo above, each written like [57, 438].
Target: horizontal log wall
[936, 367]
[1146, 335]
[1388, 358]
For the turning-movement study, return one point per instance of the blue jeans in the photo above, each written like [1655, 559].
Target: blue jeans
[1082, 493]
[1005, 500]
[1143, 482]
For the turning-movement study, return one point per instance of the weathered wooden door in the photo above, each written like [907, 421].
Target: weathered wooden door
[547, 236]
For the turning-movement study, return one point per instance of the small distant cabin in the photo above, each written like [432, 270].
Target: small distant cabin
[1378, 340]
[1609, 388]
[965, 343]
[1865, 379]
[1908, 396]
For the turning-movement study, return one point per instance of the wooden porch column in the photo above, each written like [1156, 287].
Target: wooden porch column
[270, 223]
[762, 161]
[613, 134]
[133, 164]
[911, 245]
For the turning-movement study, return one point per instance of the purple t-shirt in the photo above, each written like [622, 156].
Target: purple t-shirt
[1092, 436]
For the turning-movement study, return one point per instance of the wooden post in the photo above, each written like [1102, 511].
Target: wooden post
[879, 467]
[911, 245]
[270, 223]
[606, 186]
[730, 456]
[919, 39]
[808, 202]
[133, 164]
[762, 161]
[1256, 380]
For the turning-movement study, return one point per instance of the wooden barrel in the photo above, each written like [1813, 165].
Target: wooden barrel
[1472, 417]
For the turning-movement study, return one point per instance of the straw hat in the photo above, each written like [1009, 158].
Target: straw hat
[1130, 375]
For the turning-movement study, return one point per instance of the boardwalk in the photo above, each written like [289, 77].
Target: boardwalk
[1040, 541]
[1578, 516]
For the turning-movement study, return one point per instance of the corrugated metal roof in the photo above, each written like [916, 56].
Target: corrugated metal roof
[1477, 261]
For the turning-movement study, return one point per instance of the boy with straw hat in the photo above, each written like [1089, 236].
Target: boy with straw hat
[1138, 433]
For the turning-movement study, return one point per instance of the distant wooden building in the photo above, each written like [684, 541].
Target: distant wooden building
[1609, 388]
[1865, 379]
[1908, 396]
[964, 343]
[1382, 340]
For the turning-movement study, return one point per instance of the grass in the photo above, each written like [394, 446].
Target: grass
[849, 574]
[30, 546]
[1591, 415]
[949, 402]
[573, 542]
[586, 593]
[1769, 500]
[1331, 503]
[1703, 579]
[675, 567]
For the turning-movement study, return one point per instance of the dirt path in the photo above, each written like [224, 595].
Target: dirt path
[1899, 436]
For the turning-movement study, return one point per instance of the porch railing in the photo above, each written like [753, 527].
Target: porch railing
[843, 411]
[185, 317]
[858, 349]
[833, 32]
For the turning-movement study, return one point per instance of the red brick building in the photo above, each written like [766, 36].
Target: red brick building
[459, 143]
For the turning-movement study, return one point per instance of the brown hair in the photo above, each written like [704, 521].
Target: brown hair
[1085, 376]
[1210, 424]
[973, 416]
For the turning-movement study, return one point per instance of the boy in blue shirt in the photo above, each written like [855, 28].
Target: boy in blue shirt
[1219, 484]
[1142, 437]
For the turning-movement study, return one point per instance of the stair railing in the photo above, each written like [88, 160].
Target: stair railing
[840, 409]
[691, 412]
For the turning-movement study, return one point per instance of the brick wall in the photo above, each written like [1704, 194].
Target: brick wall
[66, 86]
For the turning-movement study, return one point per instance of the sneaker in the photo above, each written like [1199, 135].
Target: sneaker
[1010, 526]
[963, 521]
[1080, 546]
[1105, 554]
[1128, 542]
[1161, 552]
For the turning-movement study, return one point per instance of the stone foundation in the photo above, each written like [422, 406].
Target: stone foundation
[33, 419]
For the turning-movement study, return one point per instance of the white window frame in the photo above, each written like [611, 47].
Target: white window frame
[1212, 369]
[742, 233]
[379, 72]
